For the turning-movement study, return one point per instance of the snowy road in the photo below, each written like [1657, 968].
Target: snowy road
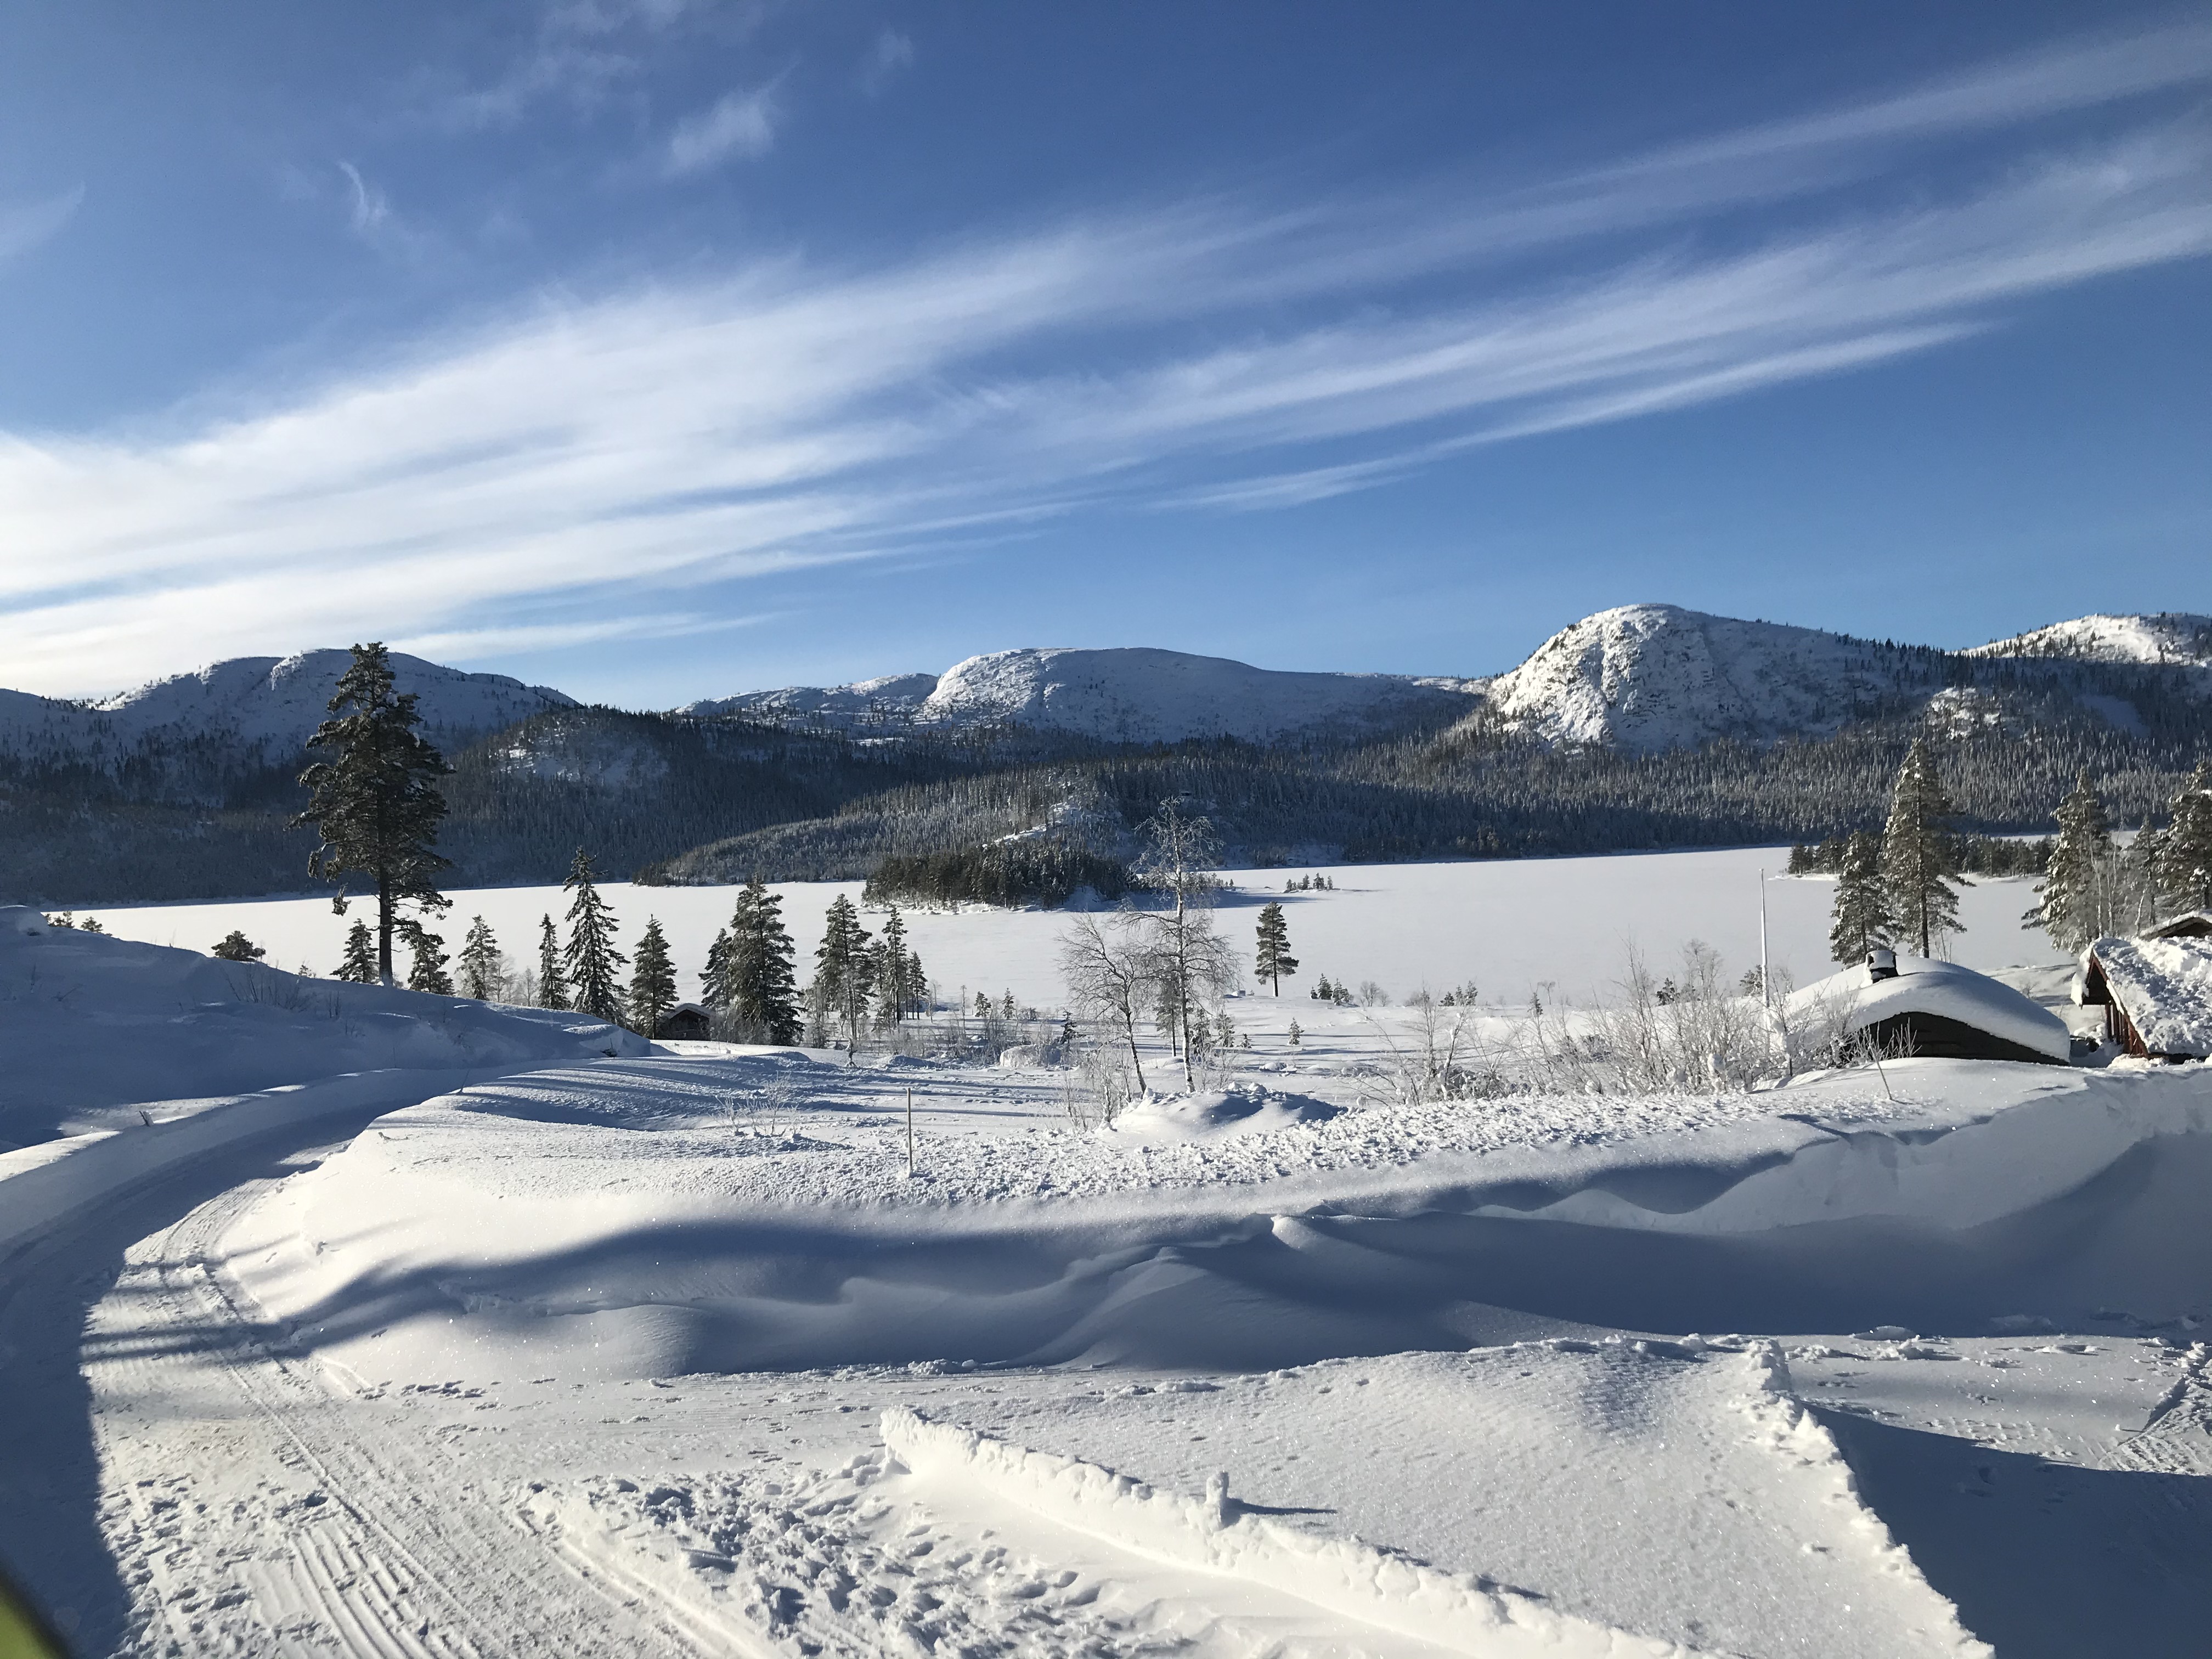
[178, 1481]
[180, 1476]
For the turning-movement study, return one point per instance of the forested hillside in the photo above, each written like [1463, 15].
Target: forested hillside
[96, 810]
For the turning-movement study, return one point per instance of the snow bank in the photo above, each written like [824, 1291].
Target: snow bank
[2165, 986]
[1459, 1613]
[1925, 986]
[1216, 1115]
[654, 1217]
[91, 1023]
[40, 1185]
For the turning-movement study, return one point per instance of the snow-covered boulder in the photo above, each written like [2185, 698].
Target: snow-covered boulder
[1216, 1115]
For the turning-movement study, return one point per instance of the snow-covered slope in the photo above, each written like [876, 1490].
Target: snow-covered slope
[2169, 637]
[266, 704]
[1651, 677]
[278, 701]
[90, 1023]
[889, 697]
[1129, 695]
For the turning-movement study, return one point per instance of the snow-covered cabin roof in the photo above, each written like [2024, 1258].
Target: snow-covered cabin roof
[2198, 924]
[1943, 989]
[2164, 986]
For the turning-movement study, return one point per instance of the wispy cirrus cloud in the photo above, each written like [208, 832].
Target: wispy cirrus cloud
[737, 126]
[26, 227]
[559, 476]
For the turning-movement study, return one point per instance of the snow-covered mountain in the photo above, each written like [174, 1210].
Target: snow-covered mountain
[270, 705]
[2169, 637]
[1653, 676]
[1130, 695]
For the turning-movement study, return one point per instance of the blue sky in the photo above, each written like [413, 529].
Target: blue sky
[658, 349]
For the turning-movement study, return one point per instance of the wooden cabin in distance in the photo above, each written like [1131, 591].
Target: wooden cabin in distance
[2156, 989]
[687, 1021]
[1932, 1010]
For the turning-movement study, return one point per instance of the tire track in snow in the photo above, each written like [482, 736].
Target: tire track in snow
[239, 1505]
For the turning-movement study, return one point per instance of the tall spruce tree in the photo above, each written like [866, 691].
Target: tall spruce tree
[652, 981]
[479, 961]
[377, 804]
[1275, 963]
[2185, 847]
[760, 987]
[426, 969]
[715, 981]
[359, 963]
[2066, 899]
[594, 966]
[552, 982]
[843, 968]
[1861, 917]
[896, 970]
[1919, 856]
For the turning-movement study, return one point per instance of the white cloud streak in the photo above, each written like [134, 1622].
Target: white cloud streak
[739, 126]
[584, 463]
[29, 226]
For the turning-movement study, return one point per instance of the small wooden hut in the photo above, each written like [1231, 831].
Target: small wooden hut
[687, 1021]
[2156, 991]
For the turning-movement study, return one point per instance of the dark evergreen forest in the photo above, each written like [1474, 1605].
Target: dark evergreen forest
[677, 799]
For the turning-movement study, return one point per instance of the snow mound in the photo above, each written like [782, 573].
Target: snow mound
[1129, 695]
[1653, 677]
[1458, 1612]
[94, 1026]
[1925, 986]
[1216, 1115]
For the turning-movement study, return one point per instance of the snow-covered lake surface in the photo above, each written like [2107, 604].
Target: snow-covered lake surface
[1507, 927]
[717, 1350]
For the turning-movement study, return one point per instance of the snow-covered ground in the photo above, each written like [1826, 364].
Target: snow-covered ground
[687, 1353]
[1557, 928]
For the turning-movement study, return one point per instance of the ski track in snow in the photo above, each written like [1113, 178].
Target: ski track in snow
[475, 1462]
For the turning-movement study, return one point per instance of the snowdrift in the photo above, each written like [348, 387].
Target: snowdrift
[655, 1239]
[1457, 1612]
[94, 1026]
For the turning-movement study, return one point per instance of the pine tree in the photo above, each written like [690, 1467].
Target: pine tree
[1862, 918]
[1918, 857]
[2065, 906]
[759, 986]
[1295, 1034]
[1275, 961]
[377, 806]
[359, 965]
[715, 983]
[552, 983]
[479, 961]
[593, 963]
[2185, 848]
[652, 981]
[234, 947]
[426, 966]
[841, 968]
[894, 969]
